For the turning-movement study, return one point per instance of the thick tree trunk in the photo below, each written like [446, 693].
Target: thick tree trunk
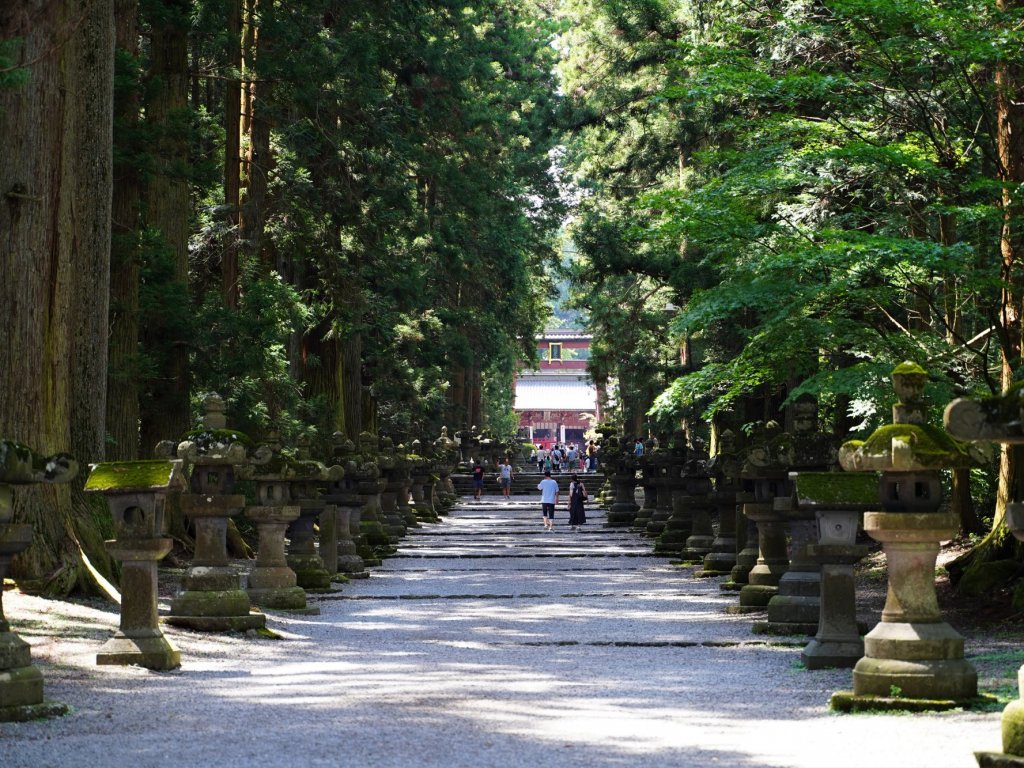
[352, 385]
[256, 125]
[232, 153]
[167, 413]
[54, 258]
[1010, 139]
[123, 372]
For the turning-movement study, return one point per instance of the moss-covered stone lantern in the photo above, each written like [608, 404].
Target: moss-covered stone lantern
[21, 684]
[649, 482]
[376, 542]
[724, 468]
[837, 500]
[306, 478]
[795, 609]
[766, 469]
[136, 492]
[343, 496]
[912, 658]
[447, 453]
[621, 468]
[670, 481]
[211, 598]
[272, 583]
[1000, 420]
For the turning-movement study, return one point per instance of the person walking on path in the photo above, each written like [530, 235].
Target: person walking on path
[577, 500]
[548, 488]
[505, 478]
[478, 480]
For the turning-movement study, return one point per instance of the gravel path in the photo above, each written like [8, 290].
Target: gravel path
[486, 642]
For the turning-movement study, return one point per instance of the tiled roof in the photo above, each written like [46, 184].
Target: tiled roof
[555, 393]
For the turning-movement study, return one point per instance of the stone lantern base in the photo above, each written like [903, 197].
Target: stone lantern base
[149, 652]
[912, 659]
[21, 684]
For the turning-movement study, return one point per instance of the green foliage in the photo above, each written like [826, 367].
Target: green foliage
[814, 189]
[243, 355]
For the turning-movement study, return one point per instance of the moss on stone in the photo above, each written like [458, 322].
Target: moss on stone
[909, 367]
[207, 437]
[932, 447]
[130, 475]
[837, 487]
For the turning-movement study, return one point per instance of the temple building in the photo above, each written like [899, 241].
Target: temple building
[557, 401]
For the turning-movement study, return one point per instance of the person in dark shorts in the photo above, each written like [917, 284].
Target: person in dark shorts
[478, 480]
[548, 499]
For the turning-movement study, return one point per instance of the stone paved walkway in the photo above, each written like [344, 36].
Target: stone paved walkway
[486, 642]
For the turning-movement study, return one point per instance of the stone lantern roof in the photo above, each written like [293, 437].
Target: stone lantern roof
[909, 444]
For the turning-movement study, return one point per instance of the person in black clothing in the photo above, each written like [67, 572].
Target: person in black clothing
[577, 500]
[478, 480]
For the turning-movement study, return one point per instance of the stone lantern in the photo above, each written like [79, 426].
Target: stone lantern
[305, 479]
[371, 483]
[404, 466]
[21, 684]
[699, 499]
[211, 598]
[725, 469]
[648, 481]
[838, 500]
[424, 478]
[912, 654]
[272, 582]
[446, 451]
[343, 497]
[670, 482]
[391, 470]
[767, 470]
[690, 499]
[999, 420]
[795, 609]
[622, 473]
[136, 492]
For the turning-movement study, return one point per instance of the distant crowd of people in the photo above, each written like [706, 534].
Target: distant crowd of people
[565, 458]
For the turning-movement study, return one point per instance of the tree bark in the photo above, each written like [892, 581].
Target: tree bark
[167, 413]
[54, 257]
[123, 372]
[232, 154]
[1010, 142]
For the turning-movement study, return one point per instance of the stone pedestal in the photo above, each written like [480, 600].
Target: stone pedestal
[837, 642]
[211, 598]
[722, 557]
[913, 653]
[624, 507]
[702, 534]
[648, 481]
[21, 684]
[795, 609]
[746, 546]
[302, 555]
[136, 493]
[772, 557]
[272, 583]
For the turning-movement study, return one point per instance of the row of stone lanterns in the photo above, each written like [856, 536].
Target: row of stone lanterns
[801, 516]
[292, 493]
